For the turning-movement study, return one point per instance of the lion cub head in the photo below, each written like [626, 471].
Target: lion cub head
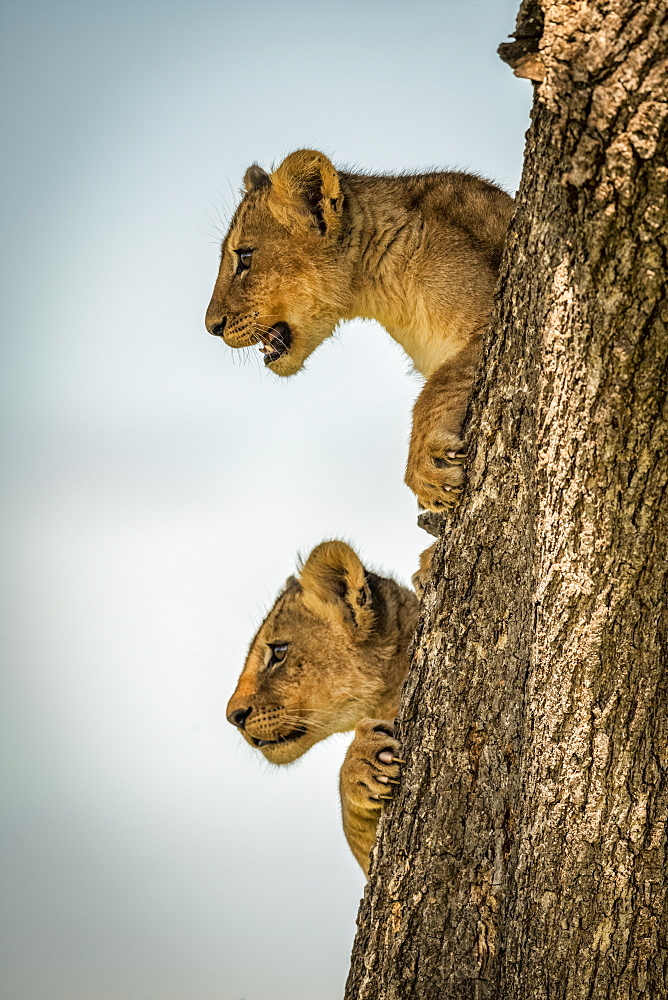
[283, 281]
[332, 650]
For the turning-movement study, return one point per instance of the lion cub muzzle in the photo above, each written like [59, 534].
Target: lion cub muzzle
[274, 342]
[262, 726]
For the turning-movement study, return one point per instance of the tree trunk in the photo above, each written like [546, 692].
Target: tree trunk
[525, 855]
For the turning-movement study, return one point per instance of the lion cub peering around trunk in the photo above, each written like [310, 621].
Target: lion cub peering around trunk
[331, 656]
[310, 246]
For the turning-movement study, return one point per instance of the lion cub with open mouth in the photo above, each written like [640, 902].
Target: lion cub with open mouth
[310, 246]
[331, 656]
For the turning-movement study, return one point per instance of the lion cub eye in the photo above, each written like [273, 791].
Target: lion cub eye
[244, 262]
[279, 650]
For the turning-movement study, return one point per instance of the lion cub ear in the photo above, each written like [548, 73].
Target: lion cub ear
[336, 589]
[255, 178]
[306, 192]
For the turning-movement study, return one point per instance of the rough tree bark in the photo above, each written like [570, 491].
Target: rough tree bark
[525, 855]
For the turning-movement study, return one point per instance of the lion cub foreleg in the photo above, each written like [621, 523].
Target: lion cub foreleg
[422, 576]
[434, 470]
[368, 777]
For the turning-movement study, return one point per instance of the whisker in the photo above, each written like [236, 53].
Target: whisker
[306, 723]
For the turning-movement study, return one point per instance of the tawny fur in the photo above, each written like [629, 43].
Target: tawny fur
[347, 631]
[419, 254]
[422, 575]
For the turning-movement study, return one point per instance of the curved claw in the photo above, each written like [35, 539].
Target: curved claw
[397, 760]
[451, 458]
[446, 503]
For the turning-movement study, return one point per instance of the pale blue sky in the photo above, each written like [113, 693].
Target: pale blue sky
[158, 486]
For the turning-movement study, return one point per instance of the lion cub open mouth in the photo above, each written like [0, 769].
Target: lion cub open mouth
[288, 738]
[275, 342]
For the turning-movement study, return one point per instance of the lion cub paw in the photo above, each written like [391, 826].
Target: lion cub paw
[370, 772]
[435, 474]
[421, 578]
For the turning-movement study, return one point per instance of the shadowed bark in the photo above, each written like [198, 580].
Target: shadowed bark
[525, 854]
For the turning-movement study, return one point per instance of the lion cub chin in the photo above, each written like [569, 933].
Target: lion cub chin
[310, 246]
[331, 656]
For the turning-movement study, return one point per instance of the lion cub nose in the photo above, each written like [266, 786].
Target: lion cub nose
[238, 717]
[217, 329]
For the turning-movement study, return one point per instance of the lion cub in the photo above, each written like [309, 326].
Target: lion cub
[331, 656]
[310, 246]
